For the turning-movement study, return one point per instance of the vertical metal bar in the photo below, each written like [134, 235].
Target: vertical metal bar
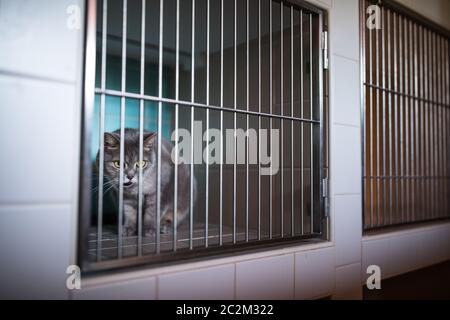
[101, 134]
[160, 90]
[282, 113]
[383, 117]
[363, 107]
[369, 131]
[390, 118]
[235, 120]
[440, 147]
[396, 106]
[271, 112]
[440, 119]
[377, 128]
[406, 116]
[221, 127]
[431, 127]
[301, 124]
[311, 165]
[417, 125]
[122, 128]
[191, 213]
[426, 126]
[401, 118]
[422, 123]
[259, 120]
[177, 96]
[141, 129]
[247, 118]
[207, 125]
[444, 124]
[429, 138]
[411, 121]
[292, 123]
[321, 206]
[435, 125]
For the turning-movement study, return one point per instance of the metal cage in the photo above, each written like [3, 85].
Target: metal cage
[255, 48]
[405, 117]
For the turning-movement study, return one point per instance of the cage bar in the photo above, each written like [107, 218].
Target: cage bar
[122, 128]
[141, 129]
[101, 134]
[177, 95]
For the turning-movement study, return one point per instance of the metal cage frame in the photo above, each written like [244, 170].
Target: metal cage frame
[89, 92]
[415, 95]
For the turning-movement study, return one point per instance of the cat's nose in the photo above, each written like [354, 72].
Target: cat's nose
[130, 175]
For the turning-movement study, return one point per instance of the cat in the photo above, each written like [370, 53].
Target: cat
[149, 181]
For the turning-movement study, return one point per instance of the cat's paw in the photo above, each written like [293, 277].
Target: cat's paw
[128, 231]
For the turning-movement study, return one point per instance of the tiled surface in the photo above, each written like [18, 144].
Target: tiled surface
[346, 163]
[345, 94]
[37, 141]
[377, 253]
[42, 43]
[35, 246]
[209, 283]
[139, 289]
[270, 278]
[345, 29]
[348, 283]
[314, 273]
[401, 253]
[347, 228]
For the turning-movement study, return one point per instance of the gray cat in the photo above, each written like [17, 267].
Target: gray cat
[149, 181]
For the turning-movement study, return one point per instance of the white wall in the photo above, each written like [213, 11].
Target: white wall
[40, 78]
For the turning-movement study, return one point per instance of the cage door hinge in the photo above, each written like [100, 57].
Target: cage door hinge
[325, 49]
[325, 189]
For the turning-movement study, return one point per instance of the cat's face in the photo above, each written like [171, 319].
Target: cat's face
[132, 164]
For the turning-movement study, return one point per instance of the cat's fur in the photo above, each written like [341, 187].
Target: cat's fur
[149, 181]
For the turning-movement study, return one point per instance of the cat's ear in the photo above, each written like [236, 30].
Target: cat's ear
[111, 141]
[149, 140]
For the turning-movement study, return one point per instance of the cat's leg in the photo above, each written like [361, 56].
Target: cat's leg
[167, 220]
[150, 218]
[129, 226]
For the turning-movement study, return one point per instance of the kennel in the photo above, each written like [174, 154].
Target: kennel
[405, 118]
[163, 66]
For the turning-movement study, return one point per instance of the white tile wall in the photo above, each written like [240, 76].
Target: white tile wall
[400, 252]
[35, 249]
[40, 73]
[345, 29]
[270, 278]
[346, 109]
[39, 39]
[377, 253]
[138, 289]
[209, 283]
[315, 273]
[346, 162]
[348, 229]
[348, 283]
[37, 138]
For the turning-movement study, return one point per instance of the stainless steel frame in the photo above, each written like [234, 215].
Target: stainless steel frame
[403, 116]
[316, 125]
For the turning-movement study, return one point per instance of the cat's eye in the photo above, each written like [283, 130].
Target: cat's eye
[141, 164]
[116, 164]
